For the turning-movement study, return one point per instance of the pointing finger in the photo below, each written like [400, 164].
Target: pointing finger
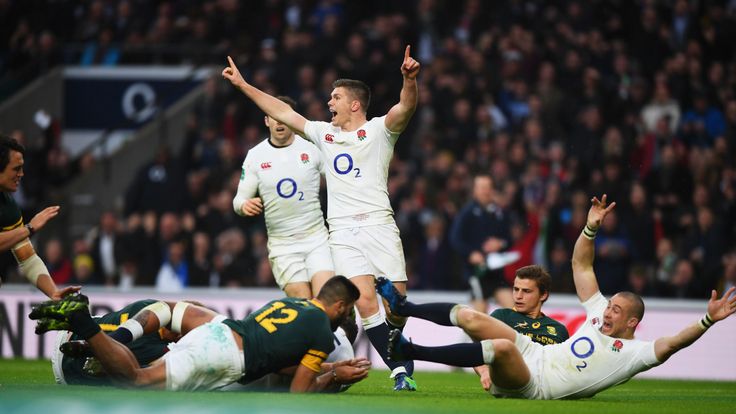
[407, 51]
[232, 64]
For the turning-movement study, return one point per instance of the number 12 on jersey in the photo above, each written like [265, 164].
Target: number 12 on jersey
[283, 316]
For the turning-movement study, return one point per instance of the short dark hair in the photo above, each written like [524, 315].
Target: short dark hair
[538, 274]
[637, 304]
[8, 144]
[288, 100]
[336, 289]
[358, 89]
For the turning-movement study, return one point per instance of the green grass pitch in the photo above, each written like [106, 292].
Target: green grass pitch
[27, 387]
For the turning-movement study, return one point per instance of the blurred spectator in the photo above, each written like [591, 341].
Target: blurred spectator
[105, 248]
[60, 268]
[173, 276]
[482, 227]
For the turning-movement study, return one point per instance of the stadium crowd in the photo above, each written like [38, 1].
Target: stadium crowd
[555, 100]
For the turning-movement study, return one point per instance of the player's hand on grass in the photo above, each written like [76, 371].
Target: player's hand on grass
[252, 206]
[352, 370]
[485, 376]
[43, 217]
[719, 309]
[232, 74]
[409, 67]
[598, 211]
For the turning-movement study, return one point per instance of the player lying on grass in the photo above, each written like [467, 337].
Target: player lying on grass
[601, 354]
[72, 360]
[216, 351]
[148, 339]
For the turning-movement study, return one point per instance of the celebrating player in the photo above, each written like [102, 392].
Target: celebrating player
[285, 333]
[601, 354]
[364, 238]
[285, 171]
[14, 235]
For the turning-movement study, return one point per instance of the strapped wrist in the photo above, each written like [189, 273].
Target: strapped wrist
[589, 232]
[706, 322]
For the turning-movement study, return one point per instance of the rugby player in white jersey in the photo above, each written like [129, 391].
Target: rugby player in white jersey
[364, 238]
[284, 171]
[601, 354]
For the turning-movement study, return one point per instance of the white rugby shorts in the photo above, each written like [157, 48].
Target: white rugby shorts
[371, 250]
[298, 259]
[206, 358]
[532, 354]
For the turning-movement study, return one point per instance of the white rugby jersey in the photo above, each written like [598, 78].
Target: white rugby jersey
[356, 170]
[589, 361]
[287, 180]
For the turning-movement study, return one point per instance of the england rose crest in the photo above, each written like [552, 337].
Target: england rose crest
[361, 134]
[617, 345]
[305, 158]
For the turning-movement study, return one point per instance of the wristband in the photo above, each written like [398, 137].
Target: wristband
[706, 322]
[30, 228]
[334, 374]
[589, 233]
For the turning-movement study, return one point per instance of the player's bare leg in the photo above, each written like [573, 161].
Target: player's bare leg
[298, 290]
[508, 368]
[504, 297]
[480, 326]
[319, 279]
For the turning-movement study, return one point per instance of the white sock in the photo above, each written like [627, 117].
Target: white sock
[488, 353]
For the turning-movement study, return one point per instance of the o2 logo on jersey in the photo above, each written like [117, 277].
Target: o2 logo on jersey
[285, 190]
[329, 138]
[582, 348]
[343, 164]
[265, 165]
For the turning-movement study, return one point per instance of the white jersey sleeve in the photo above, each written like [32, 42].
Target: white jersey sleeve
[590, 361]
[247, 187]
[356, 170]
[287, 180]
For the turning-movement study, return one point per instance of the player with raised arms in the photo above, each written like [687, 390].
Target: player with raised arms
[601, 354]
[364, 239]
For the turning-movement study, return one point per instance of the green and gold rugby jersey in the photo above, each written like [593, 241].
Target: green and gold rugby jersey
[543, 330]
[284, 333]
[10, 215]
[146, 349]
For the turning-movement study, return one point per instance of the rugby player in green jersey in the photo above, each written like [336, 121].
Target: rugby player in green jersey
[14, 235]
[70, 355]
[531, 290]
[289, 333]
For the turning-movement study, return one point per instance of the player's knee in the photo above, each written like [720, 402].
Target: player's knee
[502, 347]
[468, 318]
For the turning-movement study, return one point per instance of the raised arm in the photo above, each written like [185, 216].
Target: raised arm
[586, 284]
[280, 111]
[718, 309]
[399, 115]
